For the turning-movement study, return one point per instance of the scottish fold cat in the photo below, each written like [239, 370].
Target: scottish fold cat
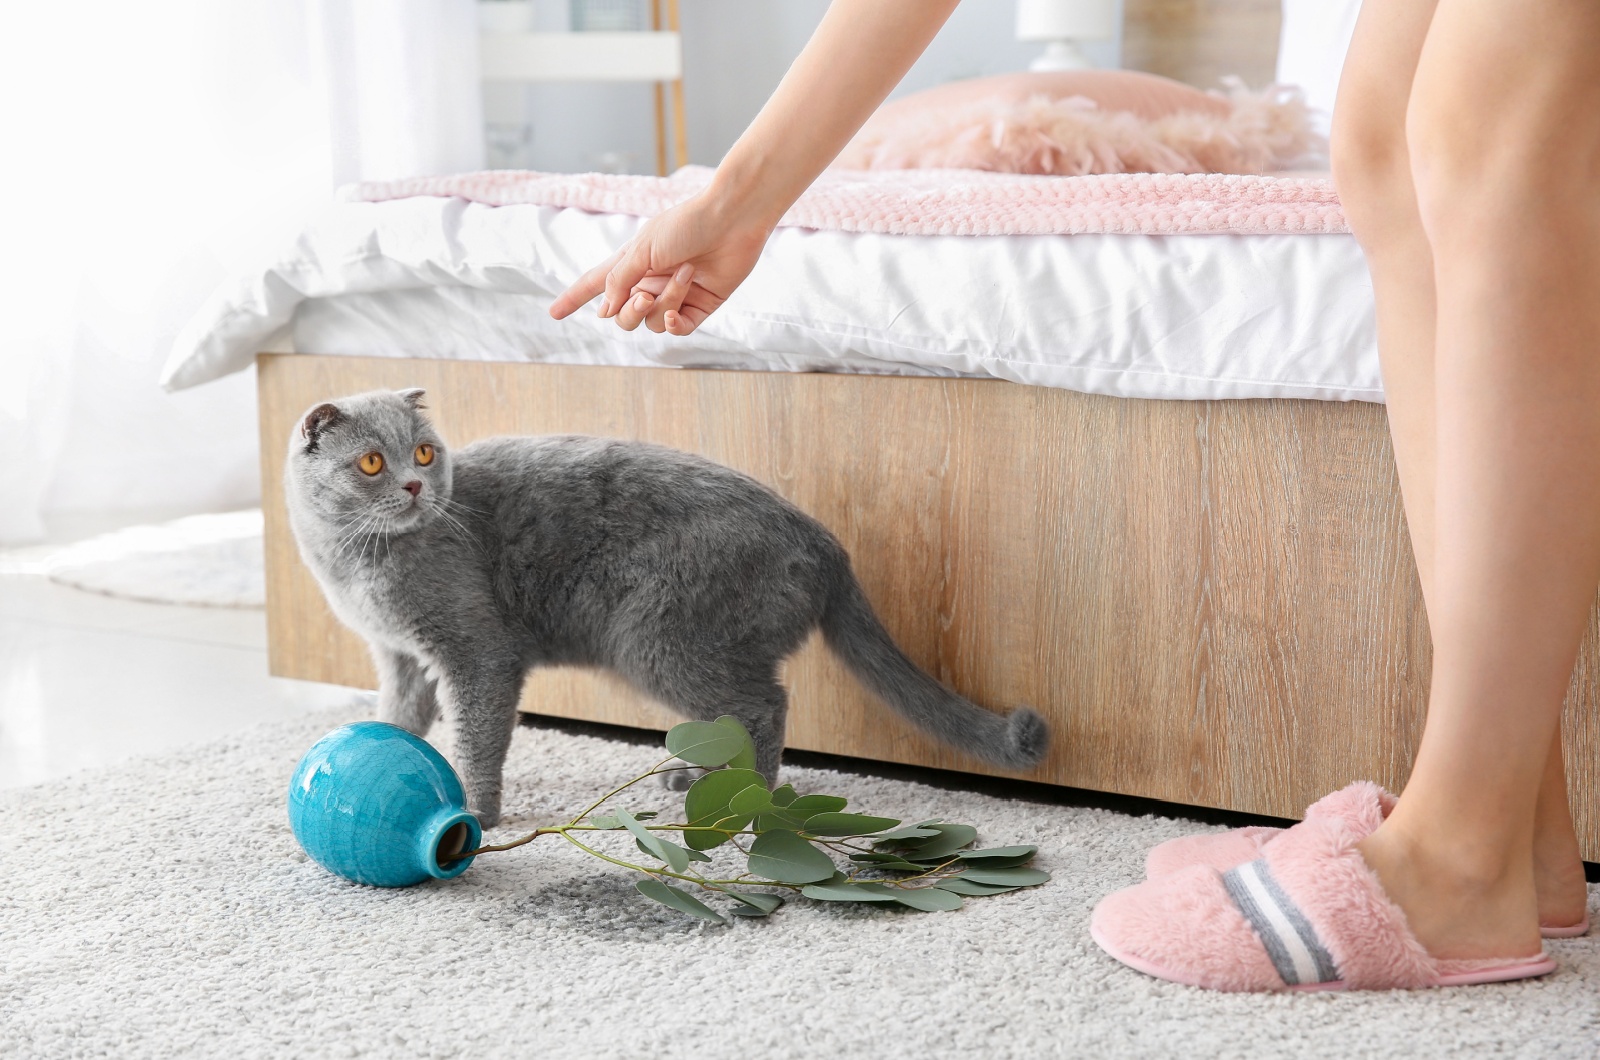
[693, 582]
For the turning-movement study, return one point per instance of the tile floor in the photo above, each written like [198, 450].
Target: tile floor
[87, 680]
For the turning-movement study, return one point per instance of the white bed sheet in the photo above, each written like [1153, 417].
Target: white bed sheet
[1185, 317]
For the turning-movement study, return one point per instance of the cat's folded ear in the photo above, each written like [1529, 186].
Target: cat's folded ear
[317, 422]
[413, 397]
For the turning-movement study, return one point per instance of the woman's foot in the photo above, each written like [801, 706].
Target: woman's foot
[1559, 884]
[1457, 906]
[1314, 912]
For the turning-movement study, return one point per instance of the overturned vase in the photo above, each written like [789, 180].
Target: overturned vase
[375, 804]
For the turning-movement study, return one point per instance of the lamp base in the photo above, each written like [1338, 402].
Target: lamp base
[1061, 55]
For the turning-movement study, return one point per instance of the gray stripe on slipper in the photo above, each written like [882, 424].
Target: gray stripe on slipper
[1285, 933]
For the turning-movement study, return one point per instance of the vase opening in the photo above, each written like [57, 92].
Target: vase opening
[452, 844]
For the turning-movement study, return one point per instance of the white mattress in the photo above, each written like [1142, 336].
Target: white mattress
[1195, 316]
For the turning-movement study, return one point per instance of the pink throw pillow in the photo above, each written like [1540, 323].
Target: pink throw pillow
[1074, 122]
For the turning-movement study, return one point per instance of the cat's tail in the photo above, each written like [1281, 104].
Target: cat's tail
[1016, 740]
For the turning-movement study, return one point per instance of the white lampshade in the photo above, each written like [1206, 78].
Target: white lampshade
[1053, 20]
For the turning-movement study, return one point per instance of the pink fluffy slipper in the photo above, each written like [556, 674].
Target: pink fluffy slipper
[1227, 850]
[1307, 914]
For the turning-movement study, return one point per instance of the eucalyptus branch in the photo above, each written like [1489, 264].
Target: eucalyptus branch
[793, 840]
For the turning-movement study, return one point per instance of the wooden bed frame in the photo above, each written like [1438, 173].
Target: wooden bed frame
[1213, 602]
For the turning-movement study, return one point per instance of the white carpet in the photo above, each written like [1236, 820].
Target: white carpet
[162, 909]
[200, 560]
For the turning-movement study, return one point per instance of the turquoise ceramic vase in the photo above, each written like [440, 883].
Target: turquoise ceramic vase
[377, 805]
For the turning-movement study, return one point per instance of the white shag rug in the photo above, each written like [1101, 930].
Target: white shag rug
[201, 560]
[162, 909]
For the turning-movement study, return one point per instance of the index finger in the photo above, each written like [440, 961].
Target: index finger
[583, 288]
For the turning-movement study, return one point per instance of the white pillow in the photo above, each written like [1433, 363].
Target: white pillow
[1311, 47]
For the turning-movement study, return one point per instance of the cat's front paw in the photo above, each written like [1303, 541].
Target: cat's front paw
[680, 776]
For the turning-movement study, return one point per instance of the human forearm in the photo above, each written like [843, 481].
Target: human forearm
[684, 263]
[860, 51]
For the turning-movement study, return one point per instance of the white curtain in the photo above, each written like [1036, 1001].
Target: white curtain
[151, 150]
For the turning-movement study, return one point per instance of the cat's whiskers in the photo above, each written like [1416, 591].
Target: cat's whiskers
[451, 521]
[458, 528]
[381, 537]
[348, 533]
[379, 533]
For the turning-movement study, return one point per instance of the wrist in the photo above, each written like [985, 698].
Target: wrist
[743, 193]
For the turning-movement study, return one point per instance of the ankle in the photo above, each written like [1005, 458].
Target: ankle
[1460, 862]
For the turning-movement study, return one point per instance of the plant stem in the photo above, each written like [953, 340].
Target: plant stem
[530, 837]
[701, 880]
[655, 769]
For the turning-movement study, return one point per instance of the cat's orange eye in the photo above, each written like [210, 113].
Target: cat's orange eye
[424, 454]
[370, 464]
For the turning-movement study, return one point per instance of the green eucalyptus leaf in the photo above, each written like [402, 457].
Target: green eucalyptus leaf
[783, 795]
[951, 838]
[706, 804]
[965, 886]
[646, 815]
[754, 903]
[785, 857]
[806, 805]
[1010, 877]
[631, 823]
[705, 743]
[904, 836]
[605, 822]
[993, 863]
[674, 855]
[849, 892]
[780, 819]
[887, 862]
[993, 856]
[751, 801]
[746, 758]
[716, 789]
[678, 899]
[838, 824]
[928, 899]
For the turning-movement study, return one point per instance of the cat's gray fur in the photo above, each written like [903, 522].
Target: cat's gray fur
[691, 581]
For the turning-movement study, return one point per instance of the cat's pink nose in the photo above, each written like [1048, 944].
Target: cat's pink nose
[413, 487]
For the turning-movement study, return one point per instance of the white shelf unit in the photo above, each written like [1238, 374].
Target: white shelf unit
[601, 56]
[581, 56]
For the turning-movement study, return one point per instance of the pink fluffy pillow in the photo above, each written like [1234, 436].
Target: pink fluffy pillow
[1087, 121]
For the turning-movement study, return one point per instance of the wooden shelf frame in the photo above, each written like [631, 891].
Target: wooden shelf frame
[655, 57]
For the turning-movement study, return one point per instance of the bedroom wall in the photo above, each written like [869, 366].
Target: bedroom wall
[179, 142]
[735, 52]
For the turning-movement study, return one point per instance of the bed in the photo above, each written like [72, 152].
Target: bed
[1138, 478]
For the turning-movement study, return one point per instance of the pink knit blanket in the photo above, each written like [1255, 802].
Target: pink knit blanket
[937, 202]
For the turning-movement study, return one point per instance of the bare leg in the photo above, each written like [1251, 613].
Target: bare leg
[1504, 134]
[1373, 168]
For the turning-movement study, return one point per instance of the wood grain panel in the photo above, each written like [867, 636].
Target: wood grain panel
[1203, 41]
[1213, 602]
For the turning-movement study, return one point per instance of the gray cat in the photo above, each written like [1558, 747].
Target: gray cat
[689, 580]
